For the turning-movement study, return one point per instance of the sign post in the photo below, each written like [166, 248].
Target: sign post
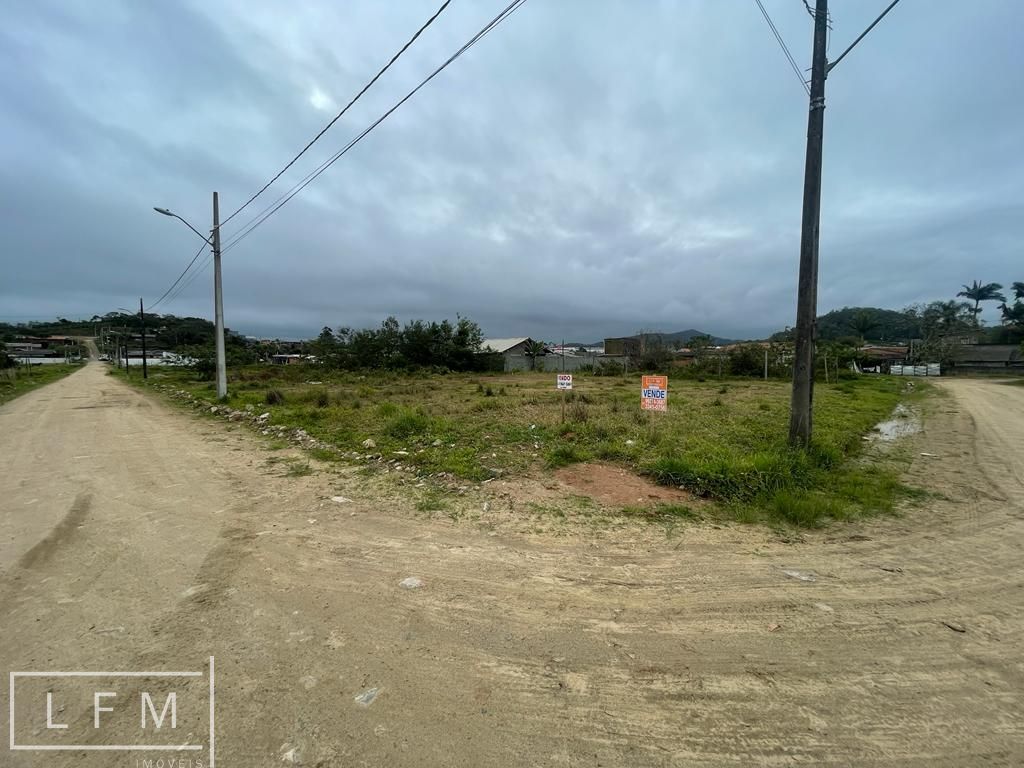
[654, 393]
[564, 382]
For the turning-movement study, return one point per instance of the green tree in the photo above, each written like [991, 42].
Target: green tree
[326, 348]
[746, 360]
[699, 346]
[978, 292]
[941, 322]
[862, 322]
[1013, 314]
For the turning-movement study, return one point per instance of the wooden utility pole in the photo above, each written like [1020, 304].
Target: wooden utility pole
[142, 318]
[807, 287]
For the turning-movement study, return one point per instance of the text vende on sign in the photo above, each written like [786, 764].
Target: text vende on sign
[654, 393]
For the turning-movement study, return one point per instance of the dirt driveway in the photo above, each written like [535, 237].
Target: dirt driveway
[139, 537]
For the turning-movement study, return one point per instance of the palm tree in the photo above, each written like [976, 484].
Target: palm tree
[1013, 315]
[533, 350]
[1018, 290]
[979, 293]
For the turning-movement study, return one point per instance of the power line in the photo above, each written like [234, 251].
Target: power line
[782, 44]
[283, 200]
[192, 277]
[166, 295]
[171, 294]
[187, 268]
[338, 116]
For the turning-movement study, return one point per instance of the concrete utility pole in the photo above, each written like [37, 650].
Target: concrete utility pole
[142, 317]
[807, 287]
[218, 300]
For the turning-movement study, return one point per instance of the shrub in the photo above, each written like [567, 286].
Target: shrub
[274, 397]
[608, 368]
[205, 368]
[566, 454]
[323, 399]
[577, 412]
[407, 423]
[746, 360]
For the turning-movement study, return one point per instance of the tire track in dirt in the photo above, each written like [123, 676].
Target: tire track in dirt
[63, 531]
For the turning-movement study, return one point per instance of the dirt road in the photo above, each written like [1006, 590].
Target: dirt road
[140, 537]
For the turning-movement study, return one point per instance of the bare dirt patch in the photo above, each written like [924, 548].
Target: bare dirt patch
[617, 486]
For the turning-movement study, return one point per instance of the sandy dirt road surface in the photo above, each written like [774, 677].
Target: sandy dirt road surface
[138, 537]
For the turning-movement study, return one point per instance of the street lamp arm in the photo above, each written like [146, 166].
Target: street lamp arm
[860, 37]
[173, 215]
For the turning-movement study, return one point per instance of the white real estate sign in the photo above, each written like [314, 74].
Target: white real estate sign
[564, 381]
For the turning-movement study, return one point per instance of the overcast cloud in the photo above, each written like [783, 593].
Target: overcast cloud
[589, 169]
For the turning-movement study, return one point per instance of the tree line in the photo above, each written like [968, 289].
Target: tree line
[418, 344]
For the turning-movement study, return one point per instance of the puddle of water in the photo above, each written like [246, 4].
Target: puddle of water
[903, 423]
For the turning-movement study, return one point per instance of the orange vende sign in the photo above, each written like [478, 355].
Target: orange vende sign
[654, 393]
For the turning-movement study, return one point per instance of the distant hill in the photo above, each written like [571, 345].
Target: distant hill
[683, 337]
[678, 338]
[889, 325]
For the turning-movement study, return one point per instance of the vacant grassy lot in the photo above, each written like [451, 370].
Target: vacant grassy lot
[18, 381]
[724, 440]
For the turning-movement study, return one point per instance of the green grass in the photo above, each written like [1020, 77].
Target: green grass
[298, 469]
[431, 501]
[662, 511]
[15, 382]
[725, 442]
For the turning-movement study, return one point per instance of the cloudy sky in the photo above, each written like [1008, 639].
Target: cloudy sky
[590, 168]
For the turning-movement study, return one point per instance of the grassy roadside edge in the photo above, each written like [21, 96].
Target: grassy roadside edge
[15, 382]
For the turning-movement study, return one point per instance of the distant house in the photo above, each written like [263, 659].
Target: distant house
[994, 358]
[513, 346]
[511, 354]
[622, 345]
[287, 359]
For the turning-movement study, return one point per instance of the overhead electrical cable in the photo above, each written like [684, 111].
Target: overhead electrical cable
[338, 116]
[247, 228]
[785, 49]
[313, 141]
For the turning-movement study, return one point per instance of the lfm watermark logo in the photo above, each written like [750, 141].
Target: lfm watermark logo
[142, 712]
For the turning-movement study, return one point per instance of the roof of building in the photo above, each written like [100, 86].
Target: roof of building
[884, 352]
[503, 345]
[988, 353]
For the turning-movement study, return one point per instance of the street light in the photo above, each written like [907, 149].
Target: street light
[173, 215]
[218, 302]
